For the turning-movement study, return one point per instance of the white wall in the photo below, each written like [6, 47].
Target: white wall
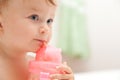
[104, 33]
[104, 36]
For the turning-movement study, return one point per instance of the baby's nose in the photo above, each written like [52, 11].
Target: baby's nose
[44, 29]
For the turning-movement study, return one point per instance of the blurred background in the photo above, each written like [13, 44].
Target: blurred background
[88, 31]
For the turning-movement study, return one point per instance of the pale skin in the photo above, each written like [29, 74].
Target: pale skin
[23, 27]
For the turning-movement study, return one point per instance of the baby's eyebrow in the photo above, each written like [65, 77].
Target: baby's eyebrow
[39, 10]
[35, 9]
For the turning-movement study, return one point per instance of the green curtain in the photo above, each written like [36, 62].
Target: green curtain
[72, 35]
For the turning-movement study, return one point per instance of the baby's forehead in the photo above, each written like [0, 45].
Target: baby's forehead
[35, 3]
[29, 6]
[23, 5]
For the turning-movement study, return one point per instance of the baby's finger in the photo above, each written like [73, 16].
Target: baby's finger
[65, 63]
[61, 76]
[64, 69]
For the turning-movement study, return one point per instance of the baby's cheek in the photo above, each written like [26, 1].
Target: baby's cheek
[49, 37]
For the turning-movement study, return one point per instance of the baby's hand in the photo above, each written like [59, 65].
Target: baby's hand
[66, 71]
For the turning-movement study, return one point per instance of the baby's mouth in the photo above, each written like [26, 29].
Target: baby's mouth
[42, 46]
[42, 41]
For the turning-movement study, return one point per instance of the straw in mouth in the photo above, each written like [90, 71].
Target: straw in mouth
[41, 51]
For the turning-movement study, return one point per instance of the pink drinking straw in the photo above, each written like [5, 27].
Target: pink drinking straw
[40, 52]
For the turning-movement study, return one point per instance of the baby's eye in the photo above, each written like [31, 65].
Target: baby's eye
[49, 21]
[34, 17]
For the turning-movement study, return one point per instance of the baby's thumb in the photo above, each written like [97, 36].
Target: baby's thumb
[65, 63]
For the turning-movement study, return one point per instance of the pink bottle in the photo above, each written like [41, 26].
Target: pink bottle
[47, 58]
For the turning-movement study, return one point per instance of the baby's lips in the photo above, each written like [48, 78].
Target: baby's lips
[44, 43]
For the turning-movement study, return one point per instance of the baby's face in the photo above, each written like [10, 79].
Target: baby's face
[25, 24]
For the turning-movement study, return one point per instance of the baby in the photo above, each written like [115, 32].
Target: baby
[24, 26]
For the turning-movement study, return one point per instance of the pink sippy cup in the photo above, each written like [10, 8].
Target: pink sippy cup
[46, 60]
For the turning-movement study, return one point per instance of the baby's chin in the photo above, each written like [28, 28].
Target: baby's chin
[32, 49]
